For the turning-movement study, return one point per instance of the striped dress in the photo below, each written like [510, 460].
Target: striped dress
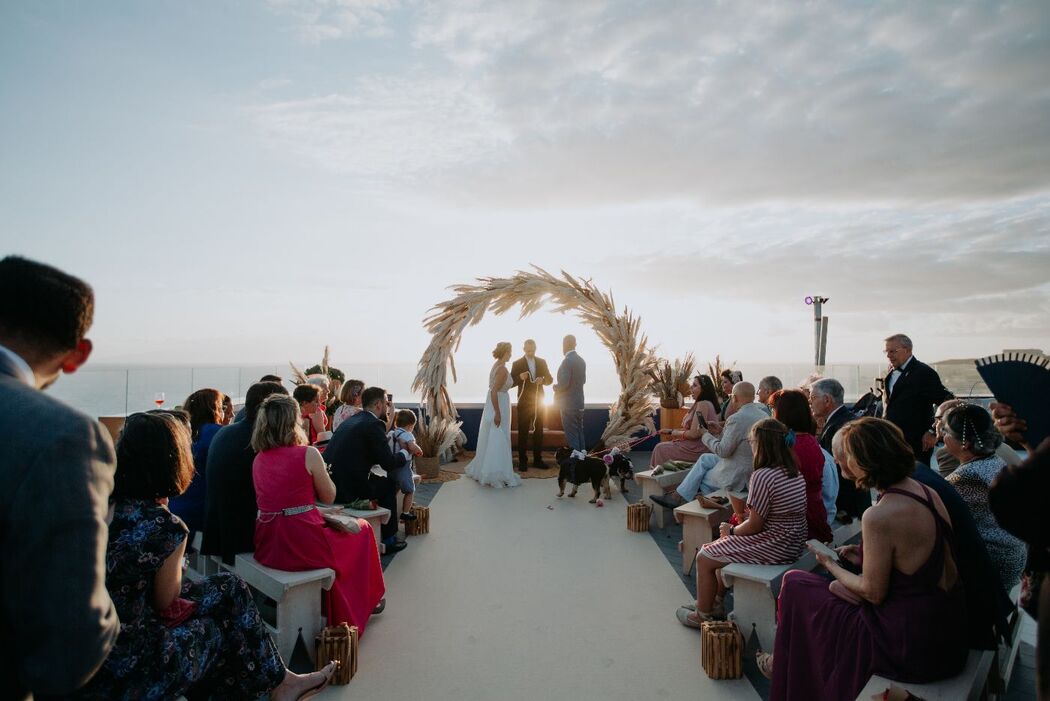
[781, 500]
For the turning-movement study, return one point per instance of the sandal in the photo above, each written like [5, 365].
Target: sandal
[693, 619]
[315, 690]
[764, 660]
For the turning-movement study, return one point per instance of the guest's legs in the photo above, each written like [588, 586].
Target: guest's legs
[690, 486]
[572, 423]
[707, 584]
[581, 436]
[384, 491]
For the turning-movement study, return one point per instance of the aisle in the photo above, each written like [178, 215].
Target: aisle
[506, 599]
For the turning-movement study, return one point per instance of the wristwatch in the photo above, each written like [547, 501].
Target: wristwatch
[732, 530]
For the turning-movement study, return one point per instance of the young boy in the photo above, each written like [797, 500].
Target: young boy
[401, 437]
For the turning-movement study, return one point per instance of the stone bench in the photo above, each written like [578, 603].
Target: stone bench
[699, 526]
[967, 686]
[375, 517]
[755, 591]
[658, 485]
[298, 598]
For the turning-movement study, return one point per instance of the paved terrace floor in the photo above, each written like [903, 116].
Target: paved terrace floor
[505, 599]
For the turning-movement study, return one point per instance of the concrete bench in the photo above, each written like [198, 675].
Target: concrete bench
[699, 527]
[658, 485]
[755, 591]
[375, 518]
[967, 686]
[298, 598]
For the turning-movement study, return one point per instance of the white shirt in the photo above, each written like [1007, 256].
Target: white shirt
[28, 376]
[895, 375]
[531, 362]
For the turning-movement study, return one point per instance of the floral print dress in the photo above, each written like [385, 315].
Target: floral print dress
[221, 649]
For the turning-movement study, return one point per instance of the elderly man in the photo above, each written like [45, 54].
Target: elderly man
[730, 462]
[826, 397]
[766, 387]
[56, 476]
[946, 462]
[913, 389]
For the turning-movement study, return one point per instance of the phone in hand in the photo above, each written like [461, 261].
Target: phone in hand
[845, 564]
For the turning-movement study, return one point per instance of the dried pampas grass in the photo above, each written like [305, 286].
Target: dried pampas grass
[437, 435]
[530, 291]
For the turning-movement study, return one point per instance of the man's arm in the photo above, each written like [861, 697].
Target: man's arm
[545, 373]
[516, 369]
[379, 449]
[725, 445]
[564, 378]
[56, 597]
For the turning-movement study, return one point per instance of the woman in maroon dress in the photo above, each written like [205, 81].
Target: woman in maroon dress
[791, 408]
[290, 533]
[903, 616]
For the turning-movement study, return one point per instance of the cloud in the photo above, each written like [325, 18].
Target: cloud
[321, 20]
[731, 103]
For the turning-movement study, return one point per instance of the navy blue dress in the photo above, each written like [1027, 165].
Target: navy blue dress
[189, 506]
[222, 649]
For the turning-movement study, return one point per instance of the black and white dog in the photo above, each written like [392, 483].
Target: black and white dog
[620, 467]
[578, 470]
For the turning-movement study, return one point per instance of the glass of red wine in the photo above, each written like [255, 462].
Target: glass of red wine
[158, 399]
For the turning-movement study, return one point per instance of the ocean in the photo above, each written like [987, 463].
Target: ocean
[102, 390]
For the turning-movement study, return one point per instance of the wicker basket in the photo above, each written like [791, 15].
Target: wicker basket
[638, 517]
[428, 468]
[339, 644]
[721, 650]
[421, 526]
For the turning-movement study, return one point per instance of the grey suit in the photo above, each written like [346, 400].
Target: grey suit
[56, 474]
[572, 374]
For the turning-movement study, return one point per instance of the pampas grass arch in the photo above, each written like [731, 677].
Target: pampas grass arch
[531, 291]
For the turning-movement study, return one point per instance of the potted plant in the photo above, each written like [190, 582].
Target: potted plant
[668, 380]
[434, 437]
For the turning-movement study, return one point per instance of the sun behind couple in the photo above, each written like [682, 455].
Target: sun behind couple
[493, 464]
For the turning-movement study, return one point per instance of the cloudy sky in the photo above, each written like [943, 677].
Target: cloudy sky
[246, 181]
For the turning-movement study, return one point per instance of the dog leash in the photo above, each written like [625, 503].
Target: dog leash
[630, 444]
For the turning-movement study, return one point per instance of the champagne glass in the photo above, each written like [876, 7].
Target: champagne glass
[158, 399]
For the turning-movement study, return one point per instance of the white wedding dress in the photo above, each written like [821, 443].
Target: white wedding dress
[493, 463]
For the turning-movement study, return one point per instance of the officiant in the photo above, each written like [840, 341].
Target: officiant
[530, 375]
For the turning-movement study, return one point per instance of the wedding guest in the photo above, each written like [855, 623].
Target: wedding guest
[903, 616]
[1018, 499]
[350, 402]
[56, 475]
[775, 529]
[359, 444]
[913, 389]
[972, 439]
[205, 411]
[312, 416]
[202, 639]
[791, 408]
[946, 462]
[290, 533]
[265, 378]
[729, 379]
[229, 504]
[686, 444]
[729, 464]
[227, 410]
[826, 401]
[766, 387]
[401, 437]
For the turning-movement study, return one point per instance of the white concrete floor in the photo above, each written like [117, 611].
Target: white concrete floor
[506, 599]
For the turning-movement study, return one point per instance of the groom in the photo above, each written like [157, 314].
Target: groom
[572, 374]
[530, 375]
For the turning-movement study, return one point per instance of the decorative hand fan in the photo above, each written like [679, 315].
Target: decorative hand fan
[1021, 380]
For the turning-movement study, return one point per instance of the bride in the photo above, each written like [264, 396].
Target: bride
[493, 464]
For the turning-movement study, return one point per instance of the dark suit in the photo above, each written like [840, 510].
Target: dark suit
[531, 410]
[358, 444]
[56, 474]
[912, 401]
[229, 503]
[850, 499]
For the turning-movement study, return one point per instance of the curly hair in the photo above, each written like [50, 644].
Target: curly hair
[879, 450]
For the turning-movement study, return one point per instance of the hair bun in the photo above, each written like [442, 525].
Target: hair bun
[501, 348]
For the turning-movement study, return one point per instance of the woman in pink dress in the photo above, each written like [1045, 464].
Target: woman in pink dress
[686, 444]
[290, 533]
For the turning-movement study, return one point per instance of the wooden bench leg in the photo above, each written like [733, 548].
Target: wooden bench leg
[652, 488]
[696, 533]
[300, 608]
[754, 606]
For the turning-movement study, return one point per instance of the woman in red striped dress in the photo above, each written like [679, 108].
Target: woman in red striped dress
[775, 529]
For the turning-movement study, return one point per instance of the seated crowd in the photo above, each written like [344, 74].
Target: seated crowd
[927, 582]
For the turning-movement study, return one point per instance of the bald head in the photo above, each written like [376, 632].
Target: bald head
[568, 343]
[744, 393]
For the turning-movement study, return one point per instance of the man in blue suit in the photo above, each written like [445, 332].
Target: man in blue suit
[572, 374]
[57, 621]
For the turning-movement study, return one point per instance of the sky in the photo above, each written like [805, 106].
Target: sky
[245, 182]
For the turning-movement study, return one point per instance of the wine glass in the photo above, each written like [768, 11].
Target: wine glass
[158, 399]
